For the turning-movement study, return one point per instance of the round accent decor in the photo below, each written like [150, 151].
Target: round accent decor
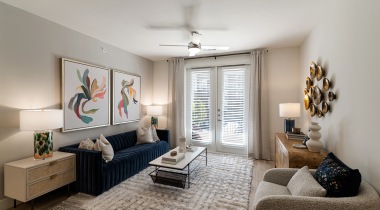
[173, 153]
[320, 73]
[312, 70]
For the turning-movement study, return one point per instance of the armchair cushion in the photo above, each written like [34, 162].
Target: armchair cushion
[337, 178]
[303, 184]
[269, 189]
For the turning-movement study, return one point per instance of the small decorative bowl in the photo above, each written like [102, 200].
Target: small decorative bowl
[173, 153]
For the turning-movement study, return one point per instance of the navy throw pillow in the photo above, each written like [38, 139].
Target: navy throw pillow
[337, 178]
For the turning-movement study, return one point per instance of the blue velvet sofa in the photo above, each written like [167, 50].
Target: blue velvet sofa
[94, 175]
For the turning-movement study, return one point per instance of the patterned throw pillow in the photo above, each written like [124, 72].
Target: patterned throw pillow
[337, 178]
[86, 144]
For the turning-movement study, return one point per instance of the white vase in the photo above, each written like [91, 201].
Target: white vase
[314, 144]
[182, 145]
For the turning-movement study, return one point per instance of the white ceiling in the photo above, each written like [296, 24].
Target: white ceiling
[130, 24]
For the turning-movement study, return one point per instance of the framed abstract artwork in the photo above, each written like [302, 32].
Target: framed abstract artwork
[85, 95]
[126, 97]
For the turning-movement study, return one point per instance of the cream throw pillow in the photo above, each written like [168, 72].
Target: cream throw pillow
[107, 150]
[102, 144]
[303, 184]
[144, 135]
[97, 145]
[86, 144]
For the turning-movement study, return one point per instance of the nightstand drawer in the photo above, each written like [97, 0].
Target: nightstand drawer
[49, 169]
[50, 183]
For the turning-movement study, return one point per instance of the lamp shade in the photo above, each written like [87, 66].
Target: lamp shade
[154, 110]
[37, 120]
[290, 110]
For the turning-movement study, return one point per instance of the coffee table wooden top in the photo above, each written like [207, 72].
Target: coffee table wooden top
[189, 157]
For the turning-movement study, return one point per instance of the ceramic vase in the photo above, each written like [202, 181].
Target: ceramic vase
[314, 144]
[182, 145]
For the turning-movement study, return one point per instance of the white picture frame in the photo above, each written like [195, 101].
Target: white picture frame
[126, 97]
[85, 95]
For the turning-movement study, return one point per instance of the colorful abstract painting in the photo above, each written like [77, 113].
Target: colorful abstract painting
[126, 97]
[86, 97]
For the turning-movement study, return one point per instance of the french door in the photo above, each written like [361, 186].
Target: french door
[217, 108]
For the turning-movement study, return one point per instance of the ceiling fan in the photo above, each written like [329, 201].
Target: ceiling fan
[195, 45]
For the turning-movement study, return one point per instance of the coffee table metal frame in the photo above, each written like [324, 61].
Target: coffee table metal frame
[159, 166]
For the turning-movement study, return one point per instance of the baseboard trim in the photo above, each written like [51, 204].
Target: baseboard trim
[7, 203]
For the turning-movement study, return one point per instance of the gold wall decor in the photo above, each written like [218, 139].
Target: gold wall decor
[317, 99]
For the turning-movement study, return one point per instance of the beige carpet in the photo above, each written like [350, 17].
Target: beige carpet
[225, 183]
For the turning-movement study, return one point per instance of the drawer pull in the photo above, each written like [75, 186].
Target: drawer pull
[53, 176]
[53, 163]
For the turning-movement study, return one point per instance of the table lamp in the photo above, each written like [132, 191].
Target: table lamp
[42, 122]
[289, 110]
[154, 111]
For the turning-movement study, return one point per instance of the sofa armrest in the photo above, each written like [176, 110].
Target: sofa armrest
[88, 169]
[279, 176]
[164, 135]
[366, 199]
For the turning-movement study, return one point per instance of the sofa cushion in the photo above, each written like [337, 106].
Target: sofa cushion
[86, 144]
[337, 178]
[123, 140]
[303, 183]
[267, 189]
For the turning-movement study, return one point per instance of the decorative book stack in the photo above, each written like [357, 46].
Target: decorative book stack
[167, 159]
[295, 136]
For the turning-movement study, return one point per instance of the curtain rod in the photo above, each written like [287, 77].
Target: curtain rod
[214, 56]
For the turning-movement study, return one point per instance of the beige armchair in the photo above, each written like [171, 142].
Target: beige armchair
[272, 193]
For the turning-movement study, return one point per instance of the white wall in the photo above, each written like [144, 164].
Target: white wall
[160, 90]
[346, 43]
[283, 86]
[30, 78]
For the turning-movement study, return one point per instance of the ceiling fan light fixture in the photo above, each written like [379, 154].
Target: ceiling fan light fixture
[193, 51]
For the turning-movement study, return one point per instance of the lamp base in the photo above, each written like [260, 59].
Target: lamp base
[43, 144]
[288, 125]
[154, 121]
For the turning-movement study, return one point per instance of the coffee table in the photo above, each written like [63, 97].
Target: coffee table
[176, 175]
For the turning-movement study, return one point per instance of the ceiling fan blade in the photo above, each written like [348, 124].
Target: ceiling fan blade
[214, 47]
[173, 45]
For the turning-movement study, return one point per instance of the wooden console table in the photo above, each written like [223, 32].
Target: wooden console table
[27, 179]
[289, 157]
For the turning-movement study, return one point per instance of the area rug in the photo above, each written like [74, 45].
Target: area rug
[225, 183]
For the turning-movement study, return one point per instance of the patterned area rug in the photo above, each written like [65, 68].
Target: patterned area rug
[225, 183]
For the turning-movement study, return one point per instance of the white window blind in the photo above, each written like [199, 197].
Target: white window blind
[200, 105]
[233, 105]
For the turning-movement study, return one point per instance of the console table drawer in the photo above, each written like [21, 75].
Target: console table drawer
[50, 183]
[49, 169]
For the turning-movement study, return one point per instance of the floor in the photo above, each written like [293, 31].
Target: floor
[51, 199]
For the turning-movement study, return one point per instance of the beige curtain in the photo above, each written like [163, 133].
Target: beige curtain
[176, 98]
[259, 145]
